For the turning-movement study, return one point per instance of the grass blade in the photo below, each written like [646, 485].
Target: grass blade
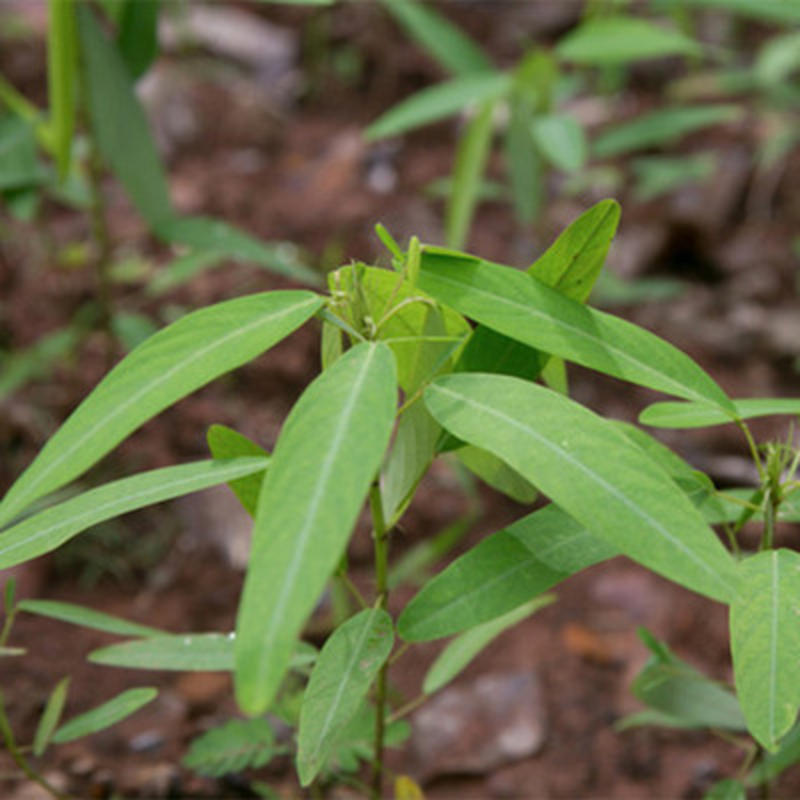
[105, 715]
[50, 717]
[86, 617]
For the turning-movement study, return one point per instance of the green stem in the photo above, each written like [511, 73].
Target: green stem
[753, 449]
[381, 544]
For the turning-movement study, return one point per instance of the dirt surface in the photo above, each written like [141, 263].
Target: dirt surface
[286, 161]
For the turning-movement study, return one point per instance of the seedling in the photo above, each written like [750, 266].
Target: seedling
[455, 355]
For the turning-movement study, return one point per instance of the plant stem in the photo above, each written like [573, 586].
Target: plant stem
[381, 543]
[753, 449]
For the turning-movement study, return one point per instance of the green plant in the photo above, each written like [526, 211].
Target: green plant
[399, 353]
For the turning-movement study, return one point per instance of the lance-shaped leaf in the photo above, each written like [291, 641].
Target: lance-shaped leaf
[327, 455]
[192, 652]
[137, 39]
[527, 310]
[105, 715]
[224, 442]
[119, 123]
[50, 717]
[86, 617]
[699, 415]
[765, 643]
[345, 669]
[500, 573]
[166, 367]
[50, 528]
[583, 463]
[572, 263]
[465, 647]
[438, 102]
[444, 41]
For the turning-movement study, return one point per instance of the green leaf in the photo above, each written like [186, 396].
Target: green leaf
[224, 442]
[618, 40]
[237, 745]
[215, 236]
[48, 529]
[779, 11]
[525, 309]
[729, 789]
[772, 764]
[19, 166]
[340, 680]
[50, 717]
[413, 449]
[659, 175]
[181, 270]
[470, 163]
[454, 50]
[497, 474]
[500, 573]
[62, 78]
[765, 643]
[664, 126]
[583, 463]
[439, 102]
[193, 652]
[326, 457]
[119, 123]
[105, 715]
[560, 140]
[573, 262]
[465, 647]
[523, 162]
[86, 617]
[137, 38]
[700, 415]
[676, 689]
[778, 58]
[171, 364]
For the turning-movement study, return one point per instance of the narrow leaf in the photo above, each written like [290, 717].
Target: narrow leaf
[119, 122]
[50, 717]
[216, 236]
[561, 140]
[497, 474]
[765, 643]
[659, 127]
[50, 528]
[138, 35]
[342, 676]
[527, 310]
[454, 50]
[500, 573]
[327, 455]
[105, 715]
[86, 617]
[700, 415]
[583, 463]
[226, 443]
[465, 647]
[192, 652]
[572, 263]
[471, 157]
[618, 40]
[439, 102]
[171, 364]
[62, 76]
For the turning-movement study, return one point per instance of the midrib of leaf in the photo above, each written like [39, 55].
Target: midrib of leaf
[593, 476]
[466, 601]
[773, 646]
[499, 299]
[153, 385]
[222, 473]
[313, 509]
[340, 687]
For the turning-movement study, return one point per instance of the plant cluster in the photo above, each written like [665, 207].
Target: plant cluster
[451, 354]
